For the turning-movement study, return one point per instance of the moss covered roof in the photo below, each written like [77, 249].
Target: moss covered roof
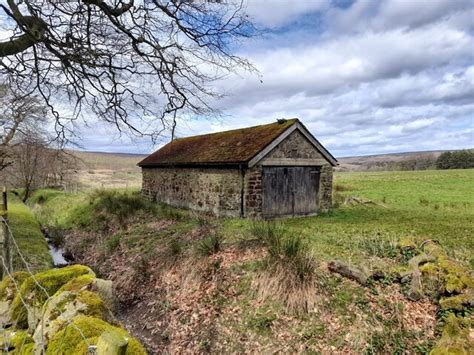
[230, 147]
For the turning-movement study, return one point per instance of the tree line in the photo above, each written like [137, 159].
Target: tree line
[460, 159]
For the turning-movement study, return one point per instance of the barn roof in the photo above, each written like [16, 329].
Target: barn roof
[233, 147]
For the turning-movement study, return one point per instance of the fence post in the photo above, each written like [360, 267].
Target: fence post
[6, 234]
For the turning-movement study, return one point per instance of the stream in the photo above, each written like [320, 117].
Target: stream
[57, 253]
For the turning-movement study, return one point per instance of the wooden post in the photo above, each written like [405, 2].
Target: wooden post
[6, 234]
[111, 343]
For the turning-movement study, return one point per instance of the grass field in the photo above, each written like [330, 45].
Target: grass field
[206, 275]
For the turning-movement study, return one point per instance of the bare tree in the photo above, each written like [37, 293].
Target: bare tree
[134, 64]
[26, 172]
[36, 164]
[18, 114]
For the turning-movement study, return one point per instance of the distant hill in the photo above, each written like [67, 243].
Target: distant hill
[394, 161]
[127, 162]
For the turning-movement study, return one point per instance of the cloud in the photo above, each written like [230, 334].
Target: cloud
[276, 13]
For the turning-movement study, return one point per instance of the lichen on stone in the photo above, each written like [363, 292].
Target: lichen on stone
[16, 341]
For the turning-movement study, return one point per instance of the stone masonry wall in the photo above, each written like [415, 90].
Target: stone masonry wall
[325, 188]
[202, 189]
[253, 192]
[295, 146]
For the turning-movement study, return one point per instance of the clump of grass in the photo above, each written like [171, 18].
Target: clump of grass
[267, 232]
[380, 247]
[175, 214]
[424, 201]
[289, 270]
[175, 247]
[262, 319]
[338, 199]
[210, 244]
[119, 205]
[112, 243]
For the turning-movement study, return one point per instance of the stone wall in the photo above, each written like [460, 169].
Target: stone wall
[202, 189]
[295, 146]
[325, 188]
[253, 192]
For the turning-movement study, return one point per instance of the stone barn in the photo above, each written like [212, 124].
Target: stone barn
[273, 170]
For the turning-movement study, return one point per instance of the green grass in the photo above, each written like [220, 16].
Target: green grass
[29, 238]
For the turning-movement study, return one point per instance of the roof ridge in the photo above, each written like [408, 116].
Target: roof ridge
[294, 119]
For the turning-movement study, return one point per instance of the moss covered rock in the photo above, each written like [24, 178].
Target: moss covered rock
[455, 339]
[8, 289]
[16, 341]
[454, 276]
[27, 304]
[458, 302]
[84, 331]
[62, 308]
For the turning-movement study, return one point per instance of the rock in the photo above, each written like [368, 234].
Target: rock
[70, 341]
[105, 289]
[62, 308]
[35, 290]
[349, 271]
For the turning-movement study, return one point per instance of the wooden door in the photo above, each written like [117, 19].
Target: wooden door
[290, 191]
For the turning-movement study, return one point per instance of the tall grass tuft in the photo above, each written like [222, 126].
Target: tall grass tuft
[290, 268]
[210, 244]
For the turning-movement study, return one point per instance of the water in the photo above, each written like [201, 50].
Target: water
[56, 253]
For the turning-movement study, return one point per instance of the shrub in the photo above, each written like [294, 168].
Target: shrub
[210, 244]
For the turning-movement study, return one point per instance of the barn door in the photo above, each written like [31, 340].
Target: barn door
[290, 191]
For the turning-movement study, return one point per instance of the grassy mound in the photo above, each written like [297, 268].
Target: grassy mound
[27, 233]
[92, 211]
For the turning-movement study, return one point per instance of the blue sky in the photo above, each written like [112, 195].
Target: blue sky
[365, 76]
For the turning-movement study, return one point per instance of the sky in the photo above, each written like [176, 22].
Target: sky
[365, 77]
